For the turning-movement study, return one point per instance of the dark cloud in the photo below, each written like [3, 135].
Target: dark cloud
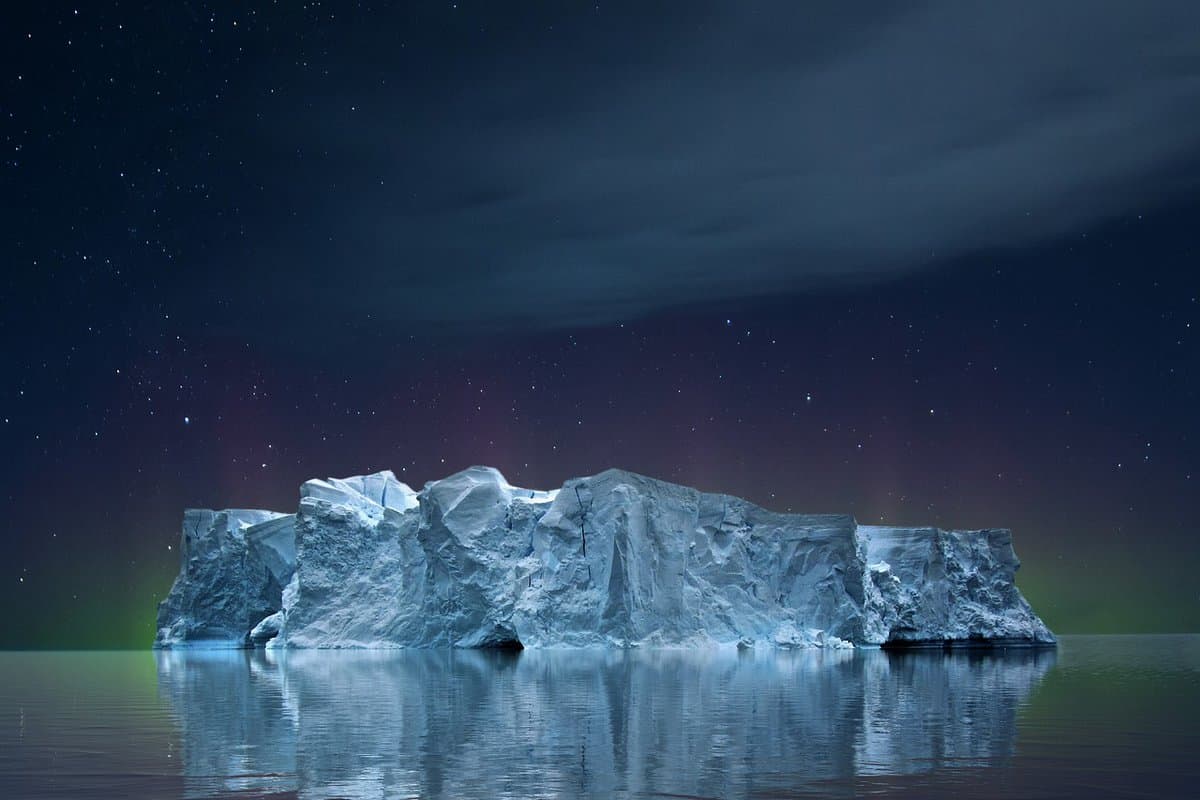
[589, 173]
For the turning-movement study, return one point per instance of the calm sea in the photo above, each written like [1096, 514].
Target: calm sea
[1104, 716]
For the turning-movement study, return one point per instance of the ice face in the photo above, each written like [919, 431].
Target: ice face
[234, 564]
[612, 560]
[621, 559]
[949, 585]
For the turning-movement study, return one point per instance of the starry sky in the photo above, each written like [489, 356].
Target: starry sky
[928, 262]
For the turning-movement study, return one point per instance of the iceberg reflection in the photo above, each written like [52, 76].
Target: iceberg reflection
[549, 723]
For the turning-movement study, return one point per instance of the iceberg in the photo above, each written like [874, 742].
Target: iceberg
[611, 560]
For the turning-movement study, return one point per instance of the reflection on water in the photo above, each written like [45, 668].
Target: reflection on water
[1105, 716]
[568, 723]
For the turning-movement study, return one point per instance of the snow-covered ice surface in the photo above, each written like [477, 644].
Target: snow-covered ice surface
[612, 560]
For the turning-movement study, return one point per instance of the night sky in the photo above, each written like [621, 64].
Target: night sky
[922, 262]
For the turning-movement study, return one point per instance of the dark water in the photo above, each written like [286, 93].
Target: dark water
[1101, 717]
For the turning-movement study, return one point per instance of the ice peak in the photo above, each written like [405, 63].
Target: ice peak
[368, 494]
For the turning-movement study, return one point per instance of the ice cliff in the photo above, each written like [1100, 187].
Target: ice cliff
[616, 559]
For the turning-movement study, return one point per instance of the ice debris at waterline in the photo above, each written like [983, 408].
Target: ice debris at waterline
[616, 560]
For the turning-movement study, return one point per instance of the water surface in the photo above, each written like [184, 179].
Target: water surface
[1101, 717]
